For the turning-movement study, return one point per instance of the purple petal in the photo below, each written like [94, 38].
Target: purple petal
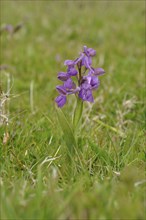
[73, 91]
[89, 96]
[69, 63]
[89, 61]
[86, 85]
[99, 71]
[61, 90]
[86, 95]
[94, 82]
[86, 61]
[85, 92]
[85, 49]
[72, 71]
[82, 93]
[91, 82]
[63, 76]
[69, 84]
[89, 51]
[88, 78]
[60, 100]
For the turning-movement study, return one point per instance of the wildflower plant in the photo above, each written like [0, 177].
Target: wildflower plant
[80, 79]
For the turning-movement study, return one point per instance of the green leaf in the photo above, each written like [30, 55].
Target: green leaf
[67, 131]
[77, 113]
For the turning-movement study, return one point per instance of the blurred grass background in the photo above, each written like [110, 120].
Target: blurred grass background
[106, 181]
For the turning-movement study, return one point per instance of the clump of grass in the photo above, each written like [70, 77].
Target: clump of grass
[4, 108]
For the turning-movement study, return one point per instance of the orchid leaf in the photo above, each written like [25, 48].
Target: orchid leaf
[77, 113]
[68, 137]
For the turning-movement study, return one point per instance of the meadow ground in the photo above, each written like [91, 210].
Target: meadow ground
[106, 177]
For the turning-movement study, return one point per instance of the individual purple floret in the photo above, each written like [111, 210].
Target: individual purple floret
[85, 92]
[60, 100]
[63, 76]
[67, 88]
[86, 77]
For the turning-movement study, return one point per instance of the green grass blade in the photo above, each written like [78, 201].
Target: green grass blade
[110, 127]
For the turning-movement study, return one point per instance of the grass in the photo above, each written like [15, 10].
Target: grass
[106, 177]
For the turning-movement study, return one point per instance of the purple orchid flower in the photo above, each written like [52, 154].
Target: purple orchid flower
[89, 51]
[86, 82]
[93, 81]
[63, 76]
[69, 63]
[67, 88]
[71, 67]
[99, 71]
[85, 58]
[85, 92]
[60, 100]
